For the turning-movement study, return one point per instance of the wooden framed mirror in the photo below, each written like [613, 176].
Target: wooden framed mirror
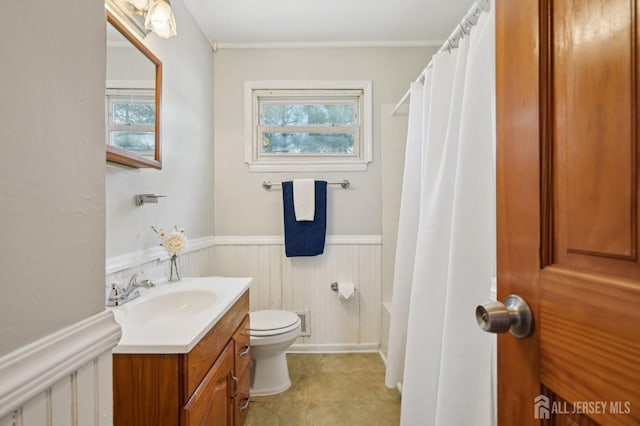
[132, 99]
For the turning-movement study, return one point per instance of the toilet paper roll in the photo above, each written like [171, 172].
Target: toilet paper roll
[346, 290]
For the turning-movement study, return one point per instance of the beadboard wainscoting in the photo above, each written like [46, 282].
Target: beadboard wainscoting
[62, 379]
[303, 284]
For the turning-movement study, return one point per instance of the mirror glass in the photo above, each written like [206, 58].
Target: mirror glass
[132, 102]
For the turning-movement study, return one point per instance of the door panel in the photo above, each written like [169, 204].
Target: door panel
[594, 132]
[567, 196]
[590, 340]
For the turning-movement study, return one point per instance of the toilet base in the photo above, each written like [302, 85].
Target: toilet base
[269, 373]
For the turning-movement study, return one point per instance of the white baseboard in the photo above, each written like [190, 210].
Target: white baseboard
[328, 348]
[34, 368]
[384, 358]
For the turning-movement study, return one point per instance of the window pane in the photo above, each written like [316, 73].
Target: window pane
[133, 113]
[308, 115]
[307, 143]
[140, 142]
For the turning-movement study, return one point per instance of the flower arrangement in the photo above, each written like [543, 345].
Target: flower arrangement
[173, 242]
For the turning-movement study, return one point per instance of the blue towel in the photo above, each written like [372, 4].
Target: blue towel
[304, 238]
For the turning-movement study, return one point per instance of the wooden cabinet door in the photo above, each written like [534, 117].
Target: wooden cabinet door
[567, 203]
[210, 404]
[146, 389]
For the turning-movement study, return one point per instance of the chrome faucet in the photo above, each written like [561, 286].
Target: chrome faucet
[119, 296]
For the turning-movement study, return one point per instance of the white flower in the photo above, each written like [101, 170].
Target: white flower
[173, 242]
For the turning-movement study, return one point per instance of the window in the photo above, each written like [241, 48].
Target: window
[308, 126]
[131, 121]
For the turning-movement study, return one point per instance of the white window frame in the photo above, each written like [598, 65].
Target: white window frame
[258, 92]
[140, 96]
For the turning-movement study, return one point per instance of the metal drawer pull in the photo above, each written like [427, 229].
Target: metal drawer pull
[246, 350]
[246, 404]
[235, 386]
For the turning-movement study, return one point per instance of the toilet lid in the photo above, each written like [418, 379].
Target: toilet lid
[272, 320]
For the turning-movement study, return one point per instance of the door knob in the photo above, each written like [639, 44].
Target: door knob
[514, 316]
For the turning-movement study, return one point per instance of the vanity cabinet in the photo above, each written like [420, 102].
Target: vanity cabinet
[207, 386]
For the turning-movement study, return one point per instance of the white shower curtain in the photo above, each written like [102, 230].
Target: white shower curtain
[445, 258]
[406, 248]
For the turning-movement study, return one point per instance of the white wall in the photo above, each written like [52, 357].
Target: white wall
[51, 168]
[242, 206]
[126, 62]
[369, 208]
[187, 149]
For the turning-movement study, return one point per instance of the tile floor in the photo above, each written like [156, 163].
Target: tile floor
[332, 390]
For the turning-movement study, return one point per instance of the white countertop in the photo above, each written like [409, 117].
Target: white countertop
[173, 317]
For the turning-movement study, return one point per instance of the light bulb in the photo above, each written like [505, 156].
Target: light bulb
[160, 19]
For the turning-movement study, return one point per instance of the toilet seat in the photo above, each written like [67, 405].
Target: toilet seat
[272, 322]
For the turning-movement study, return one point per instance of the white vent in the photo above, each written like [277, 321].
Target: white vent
[305, 323]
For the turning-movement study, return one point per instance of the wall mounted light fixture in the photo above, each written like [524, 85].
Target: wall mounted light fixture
[158, 16]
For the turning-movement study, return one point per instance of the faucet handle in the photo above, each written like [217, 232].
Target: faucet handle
[134, 280]
[115, 295]
[146, 283]
[134, 283]
[115, 290]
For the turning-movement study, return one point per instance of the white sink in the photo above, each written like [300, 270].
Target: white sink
[173, 317]
[177, 305]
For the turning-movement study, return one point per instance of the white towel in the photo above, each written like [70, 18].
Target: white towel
[304, 199]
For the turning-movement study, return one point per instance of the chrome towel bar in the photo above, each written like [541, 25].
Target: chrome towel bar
[267, 185]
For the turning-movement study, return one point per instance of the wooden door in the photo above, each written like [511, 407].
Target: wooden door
[568, 231]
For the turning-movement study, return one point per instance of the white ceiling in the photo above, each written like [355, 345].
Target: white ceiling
[355, 22]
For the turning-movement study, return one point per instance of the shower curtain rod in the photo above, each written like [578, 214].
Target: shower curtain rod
[453, 41]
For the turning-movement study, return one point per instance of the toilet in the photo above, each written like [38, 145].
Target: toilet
[272, 332]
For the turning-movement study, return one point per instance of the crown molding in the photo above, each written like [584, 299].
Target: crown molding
[328, 44]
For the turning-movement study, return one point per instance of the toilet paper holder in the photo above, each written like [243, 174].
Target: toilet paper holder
[334, 287]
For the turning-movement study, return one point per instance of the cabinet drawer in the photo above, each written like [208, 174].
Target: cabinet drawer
[199, 360]
[242, 341]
